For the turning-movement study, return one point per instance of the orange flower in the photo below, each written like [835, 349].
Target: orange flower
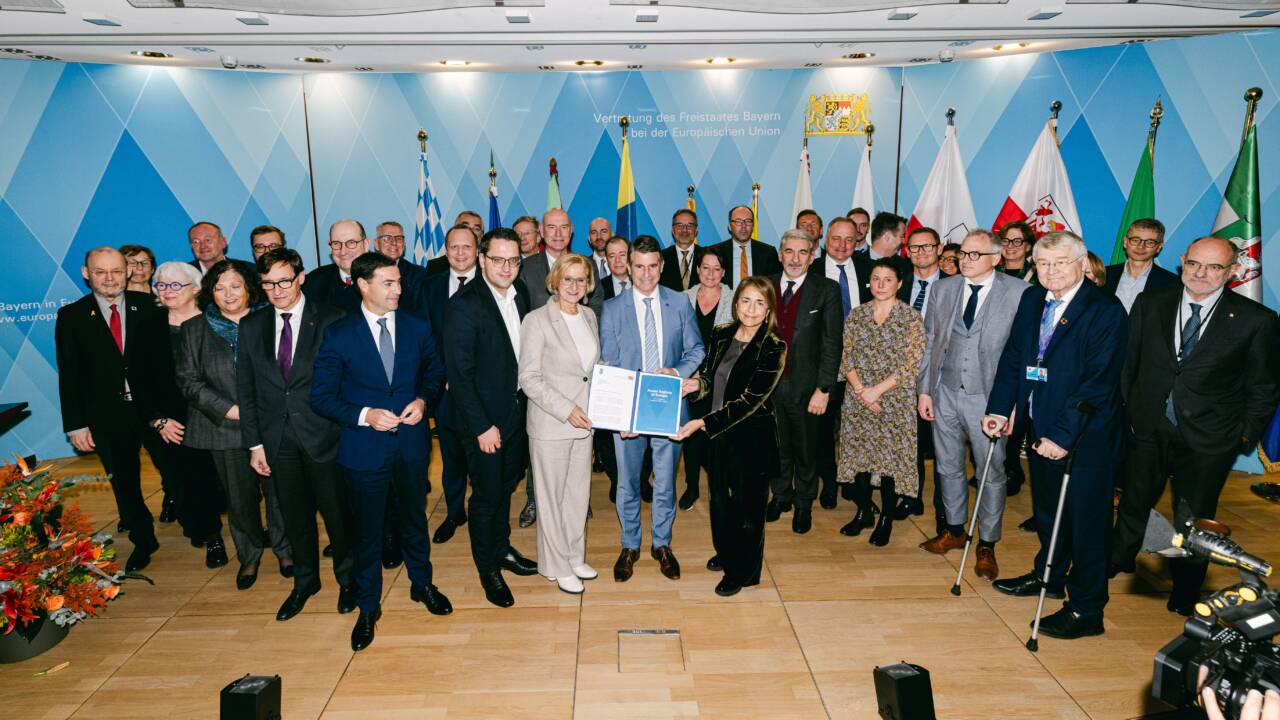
[54, 602]
[111, 591]
[21, 518]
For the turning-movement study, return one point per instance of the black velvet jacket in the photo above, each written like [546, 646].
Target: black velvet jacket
[745, 422]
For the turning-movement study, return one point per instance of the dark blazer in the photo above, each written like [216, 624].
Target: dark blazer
[436, 266]
[348, 377]
[745, 423]
[670, 276]
[813, 355]
[764, 260]
[325, 284]
[533, 275]
[435, 295]
[1224, 393]
[206, 376]
[860, 283]
[482, 366]
[91, 370]
[605, 285]
[1158, 279]
[1083, 362]
[412, 278]
[268, 402]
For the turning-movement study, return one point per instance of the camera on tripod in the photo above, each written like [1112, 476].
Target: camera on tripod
[1230, 633]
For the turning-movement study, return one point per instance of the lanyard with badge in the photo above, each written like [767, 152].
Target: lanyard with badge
[1038, 372]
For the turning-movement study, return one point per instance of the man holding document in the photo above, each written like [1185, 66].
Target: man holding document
[649, 329]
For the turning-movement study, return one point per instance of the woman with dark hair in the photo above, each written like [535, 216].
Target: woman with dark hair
[1016, 240]
[712, 305]
[743, 365]
[141, 264]
[206, 375]
[883, 345]
[949, 260]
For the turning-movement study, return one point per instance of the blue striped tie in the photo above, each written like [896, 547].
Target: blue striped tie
[652, 360]
[386, 349]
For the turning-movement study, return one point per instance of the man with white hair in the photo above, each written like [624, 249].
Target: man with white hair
[1061, 368]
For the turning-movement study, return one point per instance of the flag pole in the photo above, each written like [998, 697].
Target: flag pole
[951, 117]
[755, 211]
[1157, 112]
[871, 130]
[1054, 108]
[1251, 96]
[422, 140]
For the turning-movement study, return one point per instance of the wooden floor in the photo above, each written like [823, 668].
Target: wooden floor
[801, 645]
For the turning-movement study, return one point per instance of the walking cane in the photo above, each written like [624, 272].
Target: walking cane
[1033, 642]
[973, 521]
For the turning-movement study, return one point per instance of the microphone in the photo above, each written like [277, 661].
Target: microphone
[1219, 549]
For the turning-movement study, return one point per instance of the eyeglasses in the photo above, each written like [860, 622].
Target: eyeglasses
[285, 284]
[1056, 265]
[1194, 265]
[507, 262]
[349, 244]
[971, 255]
[139, 263]
[393, 239]
[566, 280]
[917, 249]
[174, 286]
[746, 221]
[684, 226]
[1012, 242]
[266, 248]
[1143, 242]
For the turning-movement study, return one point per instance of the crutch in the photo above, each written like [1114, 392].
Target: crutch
[973, 521]
[1033, 642]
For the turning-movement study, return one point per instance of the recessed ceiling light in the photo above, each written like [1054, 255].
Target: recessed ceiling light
[532, 47]
[100, 20]
[1023, 44]
[197, 49]
[249, 18]
[44, 57]
[921, 60]
[315, 60]
[634, 67]
[1045, 13]
[903, 13]
[719, 60]
[594, 63]
[455, 63]
[858, 56]
[997, 48]
[15, 51]
[363, 69]
[546, 67]
[151, 54]
[1259, 13]
[649, 16]
[637, 46]
[253, 67]
[813, 65]
[1137, 41]
[960, 43]
[518, 16]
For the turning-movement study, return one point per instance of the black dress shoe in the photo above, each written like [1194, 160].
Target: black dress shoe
[688, 498]
[727, 587]
[121, 528]
[646, 491]
[496, 590]
[597, 465]
[714, 564]
[168, 510]
[1067, 624]
[286, 571]
[1012, 488]
[802, 521]
[445, 532]
[328, 551]
[864, 518]
[884, 530]
[436, 602]
[296, 601]
[141, 555]
[245, 580]
[1114, 569]
[906, 507]
[362, 633]
[346, 599]
[197, 543]
[828, 498]
[529, 515]
[1029, 525]
[514, 562]
[215, 553]
[613, 490]
[775, 509]
[391, 556]
[1026, 586]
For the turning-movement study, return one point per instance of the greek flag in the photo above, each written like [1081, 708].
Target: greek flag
[428, 237]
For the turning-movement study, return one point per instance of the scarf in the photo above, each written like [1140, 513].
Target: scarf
[226, 329]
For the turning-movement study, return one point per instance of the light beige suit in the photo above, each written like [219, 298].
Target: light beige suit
[555, 380]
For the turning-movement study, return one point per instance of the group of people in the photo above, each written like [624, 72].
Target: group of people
[832, 364]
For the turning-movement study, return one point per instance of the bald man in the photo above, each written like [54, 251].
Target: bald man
[332, 284]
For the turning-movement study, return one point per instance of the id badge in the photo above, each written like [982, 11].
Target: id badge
[1035, 373]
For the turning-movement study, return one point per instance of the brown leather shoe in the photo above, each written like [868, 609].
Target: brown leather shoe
[986, 566]
[943, 543]
[667, 562]
[623, 569]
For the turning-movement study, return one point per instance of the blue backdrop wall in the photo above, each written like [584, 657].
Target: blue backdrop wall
[114, 154]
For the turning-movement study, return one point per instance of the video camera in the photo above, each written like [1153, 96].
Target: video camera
[1230, 633]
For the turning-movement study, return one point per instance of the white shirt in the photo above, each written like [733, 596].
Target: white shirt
[454, 284]
[345, 277]
[851, 275]
[602, 264]
[983, 293]
[587, 342]
[620, 284]
[295, 324]
[783, 280]
[1207, 308]
[1129, 287]
[510, 314]
[657, 320]
[372, 320]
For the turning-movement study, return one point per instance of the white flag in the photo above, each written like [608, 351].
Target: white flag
[944, 203]
[863, 197]
[804, 192]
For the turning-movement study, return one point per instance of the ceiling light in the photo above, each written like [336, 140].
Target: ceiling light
[997, 48]
[647, 16]
[546, 67]
[518, 16]
[100, 20]
[960, 43]
[921, 60]
[315, 60]
[581, 63]
[858, 56]
[197, 49]
[719, 60]
[1045, 13]
[151, 54]
[634, 67]
[1023, 44]
[532, 47]
[363, 69]
[903, 13]
[455, 63]
[15, 51]
[248, 18]
[813, 64]
[254, 67]
[1259, 13]
[44, 57]
[637, 46]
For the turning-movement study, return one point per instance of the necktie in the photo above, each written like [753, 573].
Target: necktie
[1190, 333]
[786, 294]
[285, 354]
[117, 330]
[1046, 326]
[684, 268]
[624, 286]
[971, 307]
[743, 270]
[386, 349]
[347, 281]
[845, 299]
[918, 305]
[462, 280]
[652, 361]
[602, 267]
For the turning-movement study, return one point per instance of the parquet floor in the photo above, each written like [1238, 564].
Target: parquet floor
[801, 645]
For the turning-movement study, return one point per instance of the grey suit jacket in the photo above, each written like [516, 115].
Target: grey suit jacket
[724, 308]
[994, 323]
[206, 376]
[551, 372]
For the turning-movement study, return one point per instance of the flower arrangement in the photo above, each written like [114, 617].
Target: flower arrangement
[51, 564]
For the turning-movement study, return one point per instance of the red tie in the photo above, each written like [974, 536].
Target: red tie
[347, 282]
[117, 332]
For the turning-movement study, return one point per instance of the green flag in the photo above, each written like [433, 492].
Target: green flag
[1240, 218]
[1141, 202]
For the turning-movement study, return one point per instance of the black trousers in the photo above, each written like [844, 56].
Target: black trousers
[798, 431]
[171, 480]
[199, 492]
[494, 477]
[118, 445]
[453, 460]
[828, 428]
[367, 491]
[1080, 557]
[1013, 448]
[303, 487]
[1197, 480]
[738, 502]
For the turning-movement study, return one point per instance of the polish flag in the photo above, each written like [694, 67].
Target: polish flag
[1041, 196]
[945, 204]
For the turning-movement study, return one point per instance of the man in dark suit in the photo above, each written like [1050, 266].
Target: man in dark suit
[680, 259]
[1139, 272]
[1200, 387]
[265, 238]
[470, 218]
[885, 241]
[460, 251]
[390, 241]
[287, 440]
[208, 245]
[598, 234]
[851, 272]
[377, 375]
[861, 220]
[109, 345]
[1061, 368]
[482, 347]
[809, 321]
[810, 221]
[332, 284]
[742, 256]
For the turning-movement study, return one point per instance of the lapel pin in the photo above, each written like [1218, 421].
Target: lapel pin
[1231, 315]
[1063, 321]
[93, 313]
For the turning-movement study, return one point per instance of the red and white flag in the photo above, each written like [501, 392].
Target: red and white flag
[944, 203]
[1041, 196]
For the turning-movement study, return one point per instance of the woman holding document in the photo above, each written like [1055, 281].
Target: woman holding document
[559, 344]
[743, 365]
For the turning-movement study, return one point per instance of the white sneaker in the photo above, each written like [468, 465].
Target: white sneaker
[585, 572]
[571, 585]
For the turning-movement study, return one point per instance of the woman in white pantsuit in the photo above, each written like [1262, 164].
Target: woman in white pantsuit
[559, 344]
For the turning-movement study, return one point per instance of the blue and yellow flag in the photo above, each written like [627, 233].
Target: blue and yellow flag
[626, 225]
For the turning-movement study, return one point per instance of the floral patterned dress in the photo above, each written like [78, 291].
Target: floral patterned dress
[881, 443]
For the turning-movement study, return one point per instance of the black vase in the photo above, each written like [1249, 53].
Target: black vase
[28, 641]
